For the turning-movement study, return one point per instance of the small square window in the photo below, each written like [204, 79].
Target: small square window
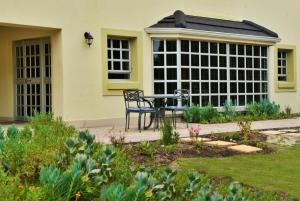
[118, 59]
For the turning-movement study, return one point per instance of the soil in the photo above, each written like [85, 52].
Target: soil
[164, 156]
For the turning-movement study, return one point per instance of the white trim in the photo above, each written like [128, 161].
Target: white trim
[202, 33]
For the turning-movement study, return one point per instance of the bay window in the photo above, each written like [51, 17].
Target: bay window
[212, 71]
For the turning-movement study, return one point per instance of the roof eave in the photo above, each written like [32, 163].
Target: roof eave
[202, 33]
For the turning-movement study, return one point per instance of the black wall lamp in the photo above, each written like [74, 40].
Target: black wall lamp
[88, 38]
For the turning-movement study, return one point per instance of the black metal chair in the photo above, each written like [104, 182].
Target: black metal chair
[134, 103]
[181, 102]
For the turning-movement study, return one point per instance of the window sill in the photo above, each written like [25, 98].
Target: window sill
[115, 88]
[285, 86]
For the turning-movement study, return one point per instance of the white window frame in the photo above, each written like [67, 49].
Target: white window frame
[262, 71]
[121, 60]
[282, 57]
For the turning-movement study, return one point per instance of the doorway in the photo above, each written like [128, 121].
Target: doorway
[32, 60]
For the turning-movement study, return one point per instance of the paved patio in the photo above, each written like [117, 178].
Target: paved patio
[103, 134]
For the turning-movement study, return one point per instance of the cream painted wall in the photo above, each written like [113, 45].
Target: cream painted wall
[81, 96]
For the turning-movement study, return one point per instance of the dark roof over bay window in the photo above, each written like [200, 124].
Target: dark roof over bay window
[183, 21]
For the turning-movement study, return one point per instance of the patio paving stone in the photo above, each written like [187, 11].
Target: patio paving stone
[292, 134]
[245, 148]
[220, 143]
[272, 132]
[188, 139]
[289, 130]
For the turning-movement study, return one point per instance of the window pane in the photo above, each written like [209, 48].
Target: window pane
[116, 54]
[159, 74]
[249, 75]
[194, 46]
[195, 74]
[204, 60]
[204, 88]
[116, 43]
[264, 51]
[223, 61]
[241, 50]
[249, 50]
[223, 74]
[185, 46]
[205, 100]
[214, 87]
[171, 60]
[232, 49]
[118, 76]
[125, 65]
[222, 48]
[249, 62]
[195, 60]
[195, 87]
[185, 60]
[215, 101]
[223, 100]
[241, 61]
[204, 47]
[233, 62]
[185, 73]
[171, 74]
[213, 61]
[125, 44]
[204, 74]
[241, 87]
[249, 88]
[256, 50]
[117, 65]
[214, 74]
[223, 87]
[233, 88]
[171, 87]
[159, 88]
[158, 45]
[232, 74]
[213, 48]
[125, 55]
[158, 59]
[171, 45]
[256, 63]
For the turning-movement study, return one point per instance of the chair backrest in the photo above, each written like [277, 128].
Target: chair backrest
[183, 96]
[132, 96]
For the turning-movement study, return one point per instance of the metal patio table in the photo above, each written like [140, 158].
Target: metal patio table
[158, 102]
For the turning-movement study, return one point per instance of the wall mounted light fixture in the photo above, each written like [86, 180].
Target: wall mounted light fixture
[88, 38]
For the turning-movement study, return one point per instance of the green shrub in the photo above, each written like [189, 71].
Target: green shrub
[229, 109]
[209, 113]
[197, 114]
[13, 131]
[1, 133]
[168, 136]
[10, 188]
[146, 148]
[192, 114]
[264, 108]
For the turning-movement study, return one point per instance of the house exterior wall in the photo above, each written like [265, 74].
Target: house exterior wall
[78, 82]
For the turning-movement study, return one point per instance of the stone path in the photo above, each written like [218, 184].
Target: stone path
[103, 134]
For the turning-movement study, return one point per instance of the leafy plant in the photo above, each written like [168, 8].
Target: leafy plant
[263, 108]
[208, 113]
[245, 130]
[13, 131]
[192, 114]
[229, 109]
[168, 135]
[146, 148]
[288, 110]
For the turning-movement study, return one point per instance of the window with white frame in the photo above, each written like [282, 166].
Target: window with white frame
[118, 52]
[213, 72]
[282, 65]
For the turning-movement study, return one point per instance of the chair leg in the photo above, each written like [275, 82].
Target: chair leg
[139, 121]
[126, 119]
[145, 120]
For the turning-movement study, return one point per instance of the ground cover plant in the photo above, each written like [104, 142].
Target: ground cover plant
[49, 160]
[262, 110]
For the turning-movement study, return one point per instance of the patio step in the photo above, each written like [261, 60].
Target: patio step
[245, 148]
[220, 143]
[200, 139]
[272, 132]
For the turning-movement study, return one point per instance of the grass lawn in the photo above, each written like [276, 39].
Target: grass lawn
[278, 171]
